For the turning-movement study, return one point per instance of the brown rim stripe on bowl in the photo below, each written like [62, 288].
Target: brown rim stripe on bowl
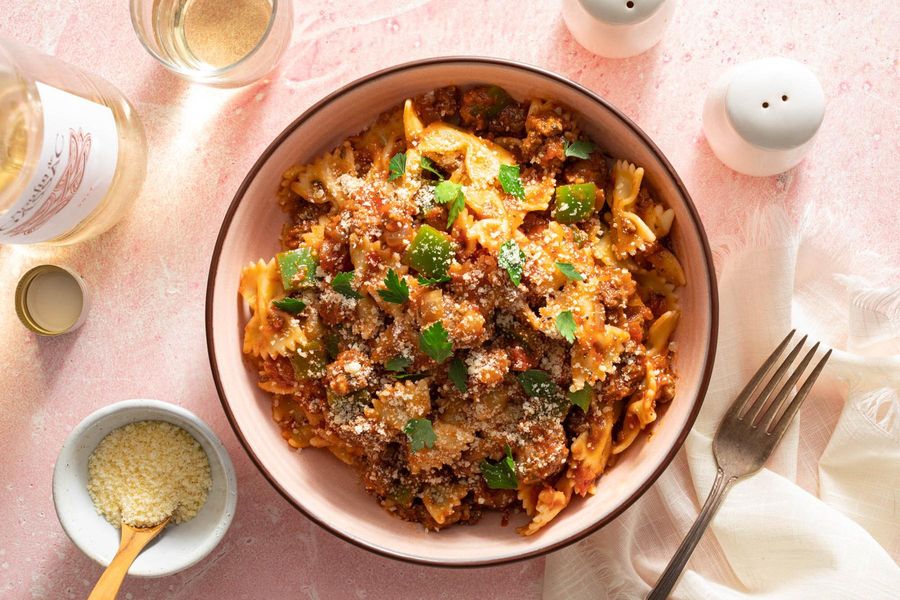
[713, 302]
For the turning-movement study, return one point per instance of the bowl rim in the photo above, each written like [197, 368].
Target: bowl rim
[669, 171]
[72, 441]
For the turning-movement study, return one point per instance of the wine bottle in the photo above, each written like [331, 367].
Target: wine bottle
[73, 154]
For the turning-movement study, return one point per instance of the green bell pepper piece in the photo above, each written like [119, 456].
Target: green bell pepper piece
[574, 202]
[430, 252]
[309, 361]
[401, 494]
[298, 268]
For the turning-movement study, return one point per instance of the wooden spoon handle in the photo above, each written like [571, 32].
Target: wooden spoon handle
[133, 541]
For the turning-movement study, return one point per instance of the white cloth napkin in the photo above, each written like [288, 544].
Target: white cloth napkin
[822, 519]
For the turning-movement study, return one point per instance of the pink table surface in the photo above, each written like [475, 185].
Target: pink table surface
[145, 334]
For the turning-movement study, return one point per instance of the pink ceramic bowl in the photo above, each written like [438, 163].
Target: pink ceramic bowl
[314, 481]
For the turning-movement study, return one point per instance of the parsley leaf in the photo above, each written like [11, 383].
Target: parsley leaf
[289, 305]
[435, 342]
[449, 192]
[397, 166]
[569, 271]
[509, 179]
[398, 363]
[459, 374]
[433, 280]
[397, 291]
[341, 284]
[427, 165]
[420, 434]
[446, 191]
[538, 384]
[582, 398]
[565, 325]
[455, 209]
[578, 149]
[501, 476]
[512, 259]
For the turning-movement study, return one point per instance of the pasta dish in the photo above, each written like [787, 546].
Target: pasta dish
[472, 308]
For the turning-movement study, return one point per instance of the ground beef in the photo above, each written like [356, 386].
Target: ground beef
[278, 370]
[546, 452]
[441, 104]
[593, 169]
[489, 108]
[351, 371]
[626, 379]
[509, 121]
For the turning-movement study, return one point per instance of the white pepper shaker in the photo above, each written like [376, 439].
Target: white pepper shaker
[617, 28]
[761, 116]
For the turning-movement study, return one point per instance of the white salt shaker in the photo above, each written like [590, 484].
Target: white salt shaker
[618, 28]
[761, 116]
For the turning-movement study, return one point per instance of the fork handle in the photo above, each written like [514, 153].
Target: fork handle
[673, 571]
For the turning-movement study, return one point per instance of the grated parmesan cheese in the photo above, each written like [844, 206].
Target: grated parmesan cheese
[143, 472]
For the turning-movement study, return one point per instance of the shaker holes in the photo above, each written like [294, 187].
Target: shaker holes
[629, 4]
[765, 105]
[784, 98]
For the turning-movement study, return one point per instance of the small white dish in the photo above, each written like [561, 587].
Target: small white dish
[179, 546]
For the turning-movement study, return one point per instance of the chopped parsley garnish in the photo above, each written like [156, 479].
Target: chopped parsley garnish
[455, 209]
[512, 259]
[459, 374]
[420, 434]
[448, 192]
[565, 325]
[341, 284]
[569, 271]
[578, 149]
[538, 384]
[289, 305]
[397, 166]
[502, 475]
[396, 290]
[433, 280]
[427, 165]
[398, 363]
[435, 342]
[582, 398]
[509, 179]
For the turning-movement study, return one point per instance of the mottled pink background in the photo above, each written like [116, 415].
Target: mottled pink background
[145, 334]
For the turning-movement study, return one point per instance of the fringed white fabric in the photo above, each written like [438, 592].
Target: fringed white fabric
[821, 520]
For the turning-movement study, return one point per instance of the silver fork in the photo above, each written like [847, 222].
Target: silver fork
[747, 435]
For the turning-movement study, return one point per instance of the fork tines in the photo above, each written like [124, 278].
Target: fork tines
[763, 407]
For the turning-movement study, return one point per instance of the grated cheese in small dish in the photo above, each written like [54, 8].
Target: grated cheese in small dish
[143, 472]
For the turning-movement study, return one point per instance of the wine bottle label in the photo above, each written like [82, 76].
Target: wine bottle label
[79, 151]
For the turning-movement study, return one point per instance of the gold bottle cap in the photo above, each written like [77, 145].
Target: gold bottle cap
[51, 300]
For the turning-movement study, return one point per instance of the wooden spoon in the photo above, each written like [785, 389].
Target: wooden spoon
[133, 541]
